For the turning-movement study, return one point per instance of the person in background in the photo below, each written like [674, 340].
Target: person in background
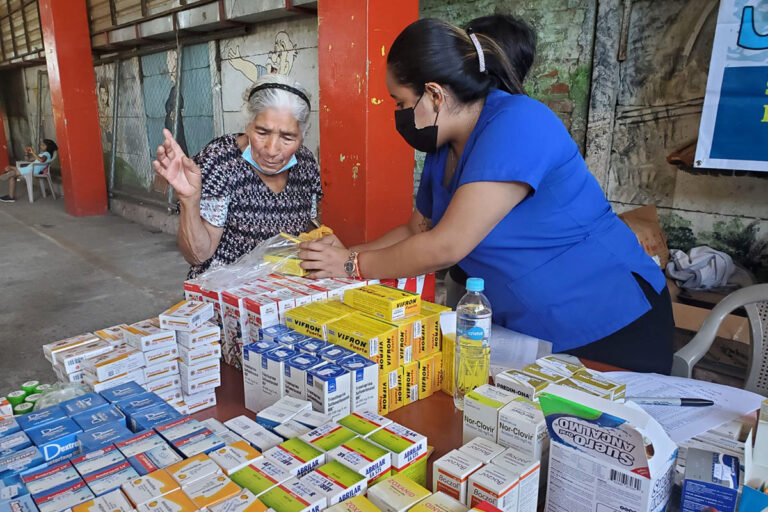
[244, 188]
[506, 196]
[36, 164]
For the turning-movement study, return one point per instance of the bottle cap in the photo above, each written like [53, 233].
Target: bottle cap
[475, 284]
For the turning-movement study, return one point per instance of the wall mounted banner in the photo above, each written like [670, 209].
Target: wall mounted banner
[734, 123]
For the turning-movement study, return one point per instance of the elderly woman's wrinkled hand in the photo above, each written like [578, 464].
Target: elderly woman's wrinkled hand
[323, 259]
[181, 172]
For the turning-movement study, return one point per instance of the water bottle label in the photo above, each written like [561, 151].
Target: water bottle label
[475, 333]
[481, 329]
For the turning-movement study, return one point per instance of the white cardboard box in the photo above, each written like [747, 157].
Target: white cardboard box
[631, 458]
[364, 378]
[206, 333]
[481, 412]
[530, 478]
[186, 315]
[147, 335]
[522, 427]
[295, 374]
[482, 449]
[329, 389]
[252, 363]
[451, 472]
[494, 485]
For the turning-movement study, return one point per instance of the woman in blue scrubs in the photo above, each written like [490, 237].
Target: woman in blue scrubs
[505, 195]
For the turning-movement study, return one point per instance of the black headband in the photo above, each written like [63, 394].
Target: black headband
[284, 87]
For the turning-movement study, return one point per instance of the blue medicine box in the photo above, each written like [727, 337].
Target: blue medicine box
[103, 436]
[63, 497]
[271, 333]
[711, 481]
[311, 346]
[37, 419]
[12, 486]
[110, 478]
[152, 460]
[54, 475]
[122, 391]
[18, 504]
[291, 338]
[82, 403]
[14, 442]
[98, 417]
[334, 353]
[95, 461]
[134, 404]
[22, 460]
[150, 417]
[57, 440]
[9, 426]
[200, 442]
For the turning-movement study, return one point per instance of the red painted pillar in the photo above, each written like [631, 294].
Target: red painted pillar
[367, 168]
[4, 160]
[73, 95]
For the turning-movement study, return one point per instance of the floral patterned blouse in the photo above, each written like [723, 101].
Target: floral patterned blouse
[234, 197]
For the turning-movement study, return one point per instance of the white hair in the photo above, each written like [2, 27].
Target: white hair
[279, 98]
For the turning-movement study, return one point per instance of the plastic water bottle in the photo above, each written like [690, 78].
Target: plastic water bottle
[473, 345]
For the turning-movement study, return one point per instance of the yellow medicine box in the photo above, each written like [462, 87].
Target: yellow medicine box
[387, 387]
[313, 319]
[438, 374]
[410, 382]
[287, 263]
[431, 324]
[449, 359]
[355, 504]
[175, 501]
[404, 341]
[383, 302]
[426, 372]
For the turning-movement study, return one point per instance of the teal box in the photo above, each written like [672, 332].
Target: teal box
[36, 419]
[57, 440]
[122, 391]
[82, 403]
[99, 417]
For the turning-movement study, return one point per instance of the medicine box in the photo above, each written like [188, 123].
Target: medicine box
[206, 369]
[313, 319]
[334, 353]
[82, 403]
[397, 494]
[711, 481]
[328, 436]
[160, 355]
[329, 390]
[63, 497]
[310, 346]
[522, 427]
[122, 391]
[357, 503]
[200, 354]
[119, 361]
[451, 472]
[408, 448]
[148, 487]
[383, 301]
[481, 412]
[211, 491]
[522, 384]
[364, 423]
[155, 459]
[290, 429]
[140, 443]
[98, 417]
[22, 503]
[57, 440]
[99, 386]
[52, 350]
[161, 386]
[193, 469]
[94, 461]
[530, 476]
[260, 311]
[482, 449]
[368, 459]
[14, 442]
[245, 501]
[153, 416]
[102, 436]
[336, 481]
[174, 501]
[200, 442]
[9, 426]
[493, 485]
[136, 403]
[200, 384]
[364, 375]
[199, 401]
[296, 456]
[272, 332]
[110, 478]
[258, 436]
[113, 501]
[560, 364]
[311, 419]
[36, 419]
[146, 335]
[290, 339]
[206, 333]
[295, 374]
[234, 457]
[273, 416]
[55, 475]
[20, 461]
[186, 315]
[439, 502]
[273, 372]
[260, 476]
[294, 495]
[545, 372]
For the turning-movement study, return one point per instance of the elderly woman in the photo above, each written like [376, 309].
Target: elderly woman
[242, 189]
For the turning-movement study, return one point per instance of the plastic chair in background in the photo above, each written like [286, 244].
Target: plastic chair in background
[45, 176]
[39, 170]
[754, 299]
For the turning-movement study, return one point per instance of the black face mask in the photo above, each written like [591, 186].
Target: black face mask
[421, 139]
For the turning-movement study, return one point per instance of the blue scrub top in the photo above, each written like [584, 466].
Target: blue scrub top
[559, 265]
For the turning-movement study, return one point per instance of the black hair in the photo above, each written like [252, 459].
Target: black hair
[513, 35]
[50, 146]
[431, 50]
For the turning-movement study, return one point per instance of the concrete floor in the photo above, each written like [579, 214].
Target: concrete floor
[61, 276]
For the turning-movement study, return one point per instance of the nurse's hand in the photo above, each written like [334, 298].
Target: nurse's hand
[332, 240]
[323, 259]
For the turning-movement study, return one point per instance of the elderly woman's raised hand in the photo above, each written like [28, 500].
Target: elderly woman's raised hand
[182, 172]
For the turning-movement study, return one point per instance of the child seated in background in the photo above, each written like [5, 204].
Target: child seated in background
[37, 165]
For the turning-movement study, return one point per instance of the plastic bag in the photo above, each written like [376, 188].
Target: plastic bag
[60, 392]
[279, 254]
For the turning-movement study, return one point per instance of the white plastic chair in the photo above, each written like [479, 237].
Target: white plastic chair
[43, 172]
[754, 299]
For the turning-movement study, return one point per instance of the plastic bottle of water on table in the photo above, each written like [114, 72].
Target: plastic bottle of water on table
[473, 346]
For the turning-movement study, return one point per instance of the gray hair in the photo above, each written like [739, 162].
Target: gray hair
[279, 98]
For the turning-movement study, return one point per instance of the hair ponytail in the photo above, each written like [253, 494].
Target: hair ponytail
[514, 38]
[431, 50]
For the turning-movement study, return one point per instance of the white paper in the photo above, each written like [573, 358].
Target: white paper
[683, 423]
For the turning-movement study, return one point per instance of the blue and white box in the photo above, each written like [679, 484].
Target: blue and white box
[82, 403]
[8, 426]
[122, 391]
[103, 436]
[252, 356]
[95, 461]
[12, 486]
[311, 346]
[273, 373]
[271, 333]
[57, 440]
[179, 428]
[295, 379]
[37, 419]
[711, 482]
[22, 503]
[136, 403]
[154, 459]
[55, 475]
[153, 416]
[221, 430]
[14, 442]
[273, 416]
[20, 461]
[110, 478]
[291, 338]
[329, 390]
[334, 354]
[63, 497]
[98, 417]
[140, 443]
[203, 441]
[364, 375]
[312, 419]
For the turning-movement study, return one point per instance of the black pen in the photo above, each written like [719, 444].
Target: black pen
[680, 402]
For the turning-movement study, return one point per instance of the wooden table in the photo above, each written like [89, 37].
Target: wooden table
[434, 417]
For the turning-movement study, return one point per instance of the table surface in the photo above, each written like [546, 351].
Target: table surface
[435, 416]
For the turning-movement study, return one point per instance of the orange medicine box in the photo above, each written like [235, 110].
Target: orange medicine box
[211, 491]
[175, 501]
[145, 488]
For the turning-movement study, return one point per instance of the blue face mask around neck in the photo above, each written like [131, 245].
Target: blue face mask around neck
[249, 158]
